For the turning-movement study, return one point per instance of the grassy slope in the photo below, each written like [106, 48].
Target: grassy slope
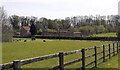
[21, 50]
[104, 35]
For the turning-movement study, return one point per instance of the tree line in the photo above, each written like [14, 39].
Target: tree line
[83, 24]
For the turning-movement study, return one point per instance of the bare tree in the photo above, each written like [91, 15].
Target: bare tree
[6, 27]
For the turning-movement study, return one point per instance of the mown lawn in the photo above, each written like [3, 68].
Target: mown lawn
[111, 63]
[24, 50]
[104, 35]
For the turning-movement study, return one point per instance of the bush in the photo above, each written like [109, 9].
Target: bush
[50, 30]
[39, 32]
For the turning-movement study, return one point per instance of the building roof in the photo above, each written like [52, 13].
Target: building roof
[26, 28]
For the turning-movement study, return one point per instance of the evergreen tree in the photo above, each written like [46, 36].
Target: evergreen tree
[33, 29]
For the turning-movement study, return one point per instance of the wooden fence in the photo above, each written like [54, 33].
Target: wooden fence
[16, 64]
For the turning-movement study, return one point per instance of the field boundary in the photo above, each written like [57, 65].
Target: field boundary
[74, 38]
[16, 64]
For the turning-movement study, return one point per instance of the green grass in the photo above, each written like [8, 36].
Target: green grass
[104, 35]
[24, 50]
[22, 38]
[110, 63]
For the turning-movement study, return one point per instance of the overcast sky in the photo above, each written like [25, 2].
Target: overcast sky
[60, 8]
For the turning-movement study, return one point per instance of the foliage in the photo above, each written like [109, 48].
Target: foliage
[14, 20]
[100, 28]
[83, 24]
[6, 26]
[118, 32]
[85, 29]
[71, 29]
[50, 30]
[39, 31]
[33, 29]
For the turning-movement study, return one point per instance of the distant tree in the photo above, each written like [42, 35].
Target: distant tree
[39, 25]
[44, 22]
[71, 29]
[85, 29]
[65, 24]
[7, 33]
[74, 21]
[103, 22]
[25, 21]
[117, 23]
[110, 28]
[33, 29]
[14, 20]
[101, 28]
[96, 22]
[22, 20]
[85, 24]
[118, 32]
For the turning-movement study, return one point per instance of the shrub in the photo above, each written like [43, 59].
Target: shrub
[50, 30]
[39, 32]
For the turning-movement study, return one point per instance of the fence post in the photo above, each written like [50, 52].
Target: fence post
[16, 65]
[109, 52]
[117, 48]
[103, 53]
[83, 59]
[119, 45]
[95, 56]
[113, 49]
[61, 61]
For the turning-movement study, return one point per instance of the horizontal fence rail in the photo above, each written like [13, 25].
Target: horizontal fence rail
[36, 59]
[16, 64]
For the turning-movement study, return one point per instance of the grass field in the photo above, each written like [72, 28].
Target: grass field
[111, 63]
[24, 50]
[104, 35]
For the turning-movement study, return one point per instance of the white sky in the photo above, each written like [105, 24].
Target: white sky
[60, 8]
